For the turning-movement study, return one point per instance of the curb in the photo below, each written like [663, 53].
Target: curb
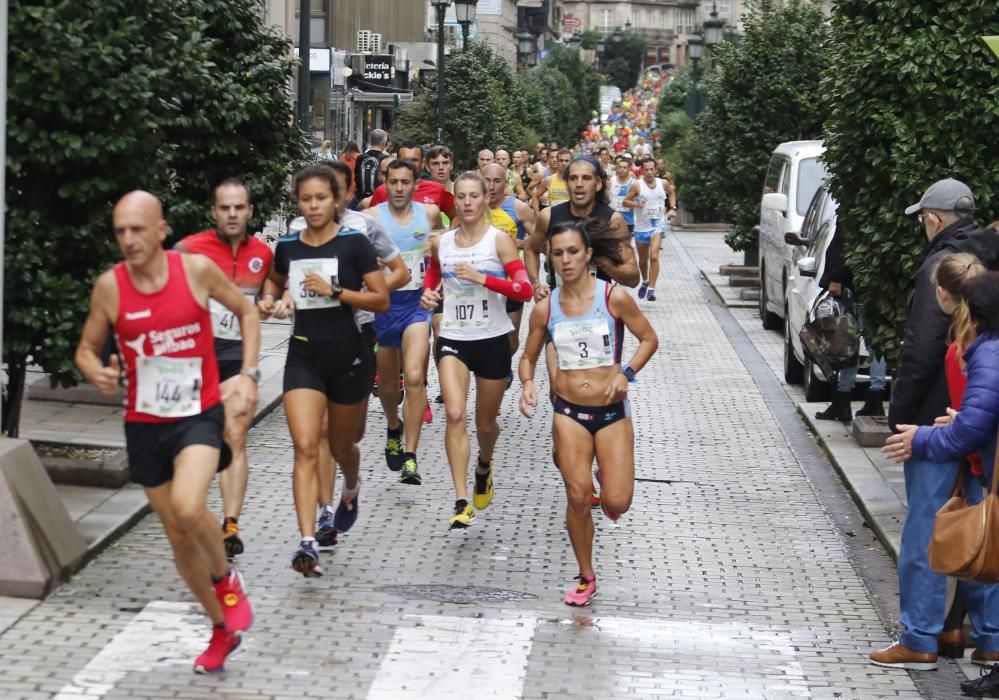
[881, 507]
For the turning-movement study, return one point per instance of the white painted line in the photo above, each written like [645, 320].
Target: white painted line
[455, 657]
[163, 634]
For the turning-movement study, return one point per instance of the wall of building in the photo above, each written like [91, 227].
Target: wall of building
[395, 20]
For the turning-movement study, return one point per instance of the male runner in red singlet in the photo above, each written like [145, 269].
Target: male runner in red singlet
[245, 260]
[157, 303]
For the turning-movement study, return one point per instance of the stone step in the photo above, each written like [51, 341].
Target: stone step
[871, 431]
[750, 294]
[739, 271]
[744, 282]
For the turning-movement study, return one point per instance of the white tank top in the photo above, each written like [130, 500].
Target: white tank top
[472, 312]
[650, 216]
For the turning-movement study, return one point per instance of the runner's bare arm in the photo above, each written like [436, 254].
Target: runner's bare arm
[375, 298]
[624, 306]
[631, 199]
[271, 293]
[627, 272]
[398, 276]
[100, 319]
[434, 214]
[535, 244]
[529, 358]
[527, 219]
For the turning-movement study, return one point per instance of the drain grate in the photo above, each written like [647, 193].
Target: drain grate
[461, 595]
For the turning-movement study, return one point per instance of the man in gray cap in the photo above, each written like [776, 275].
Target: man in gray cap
[918, 397]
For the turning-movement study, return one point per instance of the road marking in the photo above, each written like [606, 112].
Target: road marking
[455, 657]
[163, 634]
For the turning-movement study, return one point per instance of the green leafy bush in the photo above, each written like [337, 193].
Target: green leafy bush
[912, 97]
[760, 92]
[167, 99]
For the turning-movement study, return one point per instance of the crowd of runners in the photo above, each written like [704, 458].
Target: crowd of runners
[387, 261]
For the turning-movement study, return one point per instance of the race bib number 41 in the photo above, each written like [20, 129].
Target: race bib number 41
[225, 325]
[168, 387]
[466, 306]
[299, 270]
[583, 344]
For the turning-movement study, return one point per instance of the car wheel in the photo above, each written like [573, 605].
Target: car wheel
[816, 390]
[794, 371]
[771, 321]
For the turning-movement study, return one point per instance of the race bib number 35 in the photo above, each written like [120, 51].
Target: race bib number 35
[168, 387]
[466, 307]
[299, 270]
[583, 344]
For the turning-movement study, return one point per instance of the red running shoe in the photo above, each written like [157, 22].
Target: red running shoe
[219, 648]
[235, 606]
[595, 499]
[428, 414]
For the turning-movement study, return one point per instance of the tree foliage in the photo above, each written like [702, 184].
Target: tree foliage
[167, 99]
[760, 92]
[627, 54]
[488, 106]
[912, 97]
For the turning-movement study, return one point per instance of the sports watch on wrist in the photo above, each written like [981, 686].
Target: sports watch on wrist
[335, 286]
[251, 372]
[629, 374]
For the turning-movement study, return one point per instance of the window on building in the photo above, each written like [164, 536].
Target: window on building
[606, 24]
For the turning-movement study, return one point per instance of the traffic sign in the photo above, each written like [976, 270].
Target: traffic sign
[570, 22]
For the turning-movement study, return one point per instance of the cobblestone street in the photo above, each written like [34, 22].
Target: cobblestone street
[727, 579]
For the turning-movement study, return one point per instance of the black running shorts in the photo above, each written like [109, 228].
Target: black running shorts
[153, 447]
[229, 369]
[488, 358]
[342, 379]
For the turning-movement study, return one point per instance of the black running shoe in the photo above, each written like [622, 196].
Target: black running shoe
[986, 686]
[409, 474]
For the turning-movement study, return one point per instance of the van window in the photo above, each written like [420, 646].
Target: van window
[772, 183]
[811, 173]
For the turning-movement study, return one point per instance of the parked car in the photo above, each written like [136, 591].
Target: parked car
[794, 174]
[808, 252]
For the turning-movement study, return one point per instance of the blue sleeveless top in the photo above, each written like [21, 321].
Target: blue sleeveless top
[591, 340]
[412, 242]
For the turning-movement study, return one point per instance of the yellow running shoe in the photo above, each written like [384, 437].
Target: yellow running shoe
[483, 494]
[463, 516]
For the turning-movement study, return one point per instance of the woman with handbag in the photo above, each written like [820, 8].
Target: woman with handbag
[971, 296]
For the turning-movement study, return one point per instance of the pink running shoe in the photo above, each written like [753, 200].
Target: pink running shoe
[583, 592]
[219, 648]
[235, 606]
[611, 515]
[428, 414]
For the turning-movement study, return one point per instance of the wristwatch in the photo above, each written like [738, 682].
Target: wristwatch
[629, 374]
[335, 286]
[251, 372]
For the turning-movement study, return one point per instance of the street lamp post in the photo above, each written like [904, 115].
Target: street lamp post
[713, 28]
[694, 106]
[441, 8]
[527, 49]
[304, 70]
[465, 10]
[601, 47]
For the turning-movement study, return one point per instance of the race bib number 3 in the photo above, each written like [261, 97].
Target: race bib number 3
[466, 306]
[417, 264]
[299, 270]
[225, 325]
[583, 344]
[168, 387]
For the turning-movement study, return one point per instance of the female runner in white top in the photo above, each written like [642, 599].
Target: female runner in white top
[479, 266]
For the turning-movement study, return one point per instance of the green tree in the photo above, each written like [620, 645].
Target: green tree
[628, 50]
[478, 111]
[912, 97]
[584, 82]
[130, 100]
[760, 92]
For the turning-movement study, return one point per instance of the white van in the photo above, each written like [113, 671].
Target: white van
[793, 177]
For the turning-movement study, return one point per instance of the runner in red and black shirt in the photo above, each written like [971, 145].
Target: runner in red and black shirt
[245, 260]
[427, 191]
[157, 303]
